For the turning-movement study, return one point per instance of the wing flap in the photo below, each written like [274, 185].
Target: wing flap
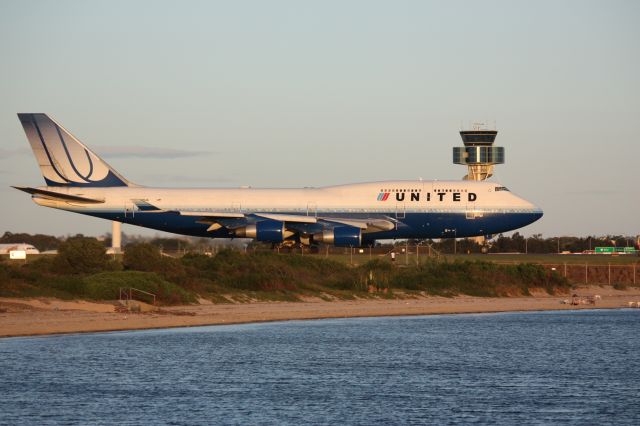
[212, 215]
[288, 217]
[367, 225]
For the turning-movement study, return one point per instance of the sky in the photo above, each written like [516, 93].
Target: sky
[313, 93]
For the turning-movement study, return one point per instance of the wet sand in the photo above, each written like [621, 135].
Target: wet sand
[28, 317]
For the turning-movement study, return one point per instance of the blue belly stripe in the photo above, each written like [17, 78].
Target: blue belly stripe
[414, 225]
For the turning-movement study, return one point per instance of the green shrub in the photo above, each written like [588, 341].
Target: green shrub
[197, 261]
[106, 285]
[142, 257]
[65, 286]
[475, 278]
[265, 271]
[81, 255]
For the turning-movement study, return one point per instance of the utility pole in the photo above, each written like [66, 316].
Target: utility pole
[406, 252]
[455, 241]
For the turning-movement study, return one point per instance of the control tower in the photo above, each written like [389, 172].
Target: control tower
[478, 152]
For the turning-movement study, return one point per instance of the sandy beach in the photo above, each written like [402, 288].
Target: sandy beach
[28, 317]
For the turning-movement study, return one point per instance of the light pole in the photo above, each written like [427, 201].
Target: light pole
[406, 252]
[455, 241]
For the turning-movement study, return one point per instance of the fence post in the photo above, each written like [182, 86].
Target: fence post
[586, 273]
[609, 265]
[406, 253]
[634, 273]
[565, 269]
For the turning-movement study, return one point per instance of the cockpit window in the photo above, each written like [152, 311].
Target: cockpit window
[501, 188]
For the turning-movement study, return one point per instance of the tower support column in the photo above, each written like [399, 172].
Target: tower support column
[116, 237]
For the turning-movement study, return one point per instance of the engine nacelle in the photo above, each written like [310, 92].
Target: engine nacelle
[272, 231]
[340, 236]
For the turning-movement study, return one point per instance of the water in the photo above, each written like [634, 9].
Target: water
[580, 367]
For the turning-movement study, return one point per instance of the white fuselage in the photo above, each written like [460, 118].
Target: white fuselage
[419, 208]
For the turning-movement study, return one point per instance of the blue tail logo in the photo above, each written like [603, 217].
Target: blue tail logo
[63, 159]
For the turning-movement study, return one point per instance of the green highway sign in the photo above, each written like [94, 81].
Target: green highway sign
[611, 250]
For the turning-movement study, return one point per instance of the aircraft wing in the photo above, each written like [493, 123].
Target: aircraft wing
[237, 215]
[234, 220]
[217, 220]
[295, 222]
[367, 225]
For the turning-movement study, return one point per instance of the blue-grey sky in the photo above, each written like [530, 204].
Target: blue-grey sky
[311, 93]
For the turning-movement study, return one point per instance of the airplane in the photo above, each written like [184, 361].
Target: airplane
[352, 215]
[27, 248]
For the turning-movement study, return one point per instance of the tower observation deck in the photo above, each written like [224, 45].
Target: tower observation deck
[478, 152]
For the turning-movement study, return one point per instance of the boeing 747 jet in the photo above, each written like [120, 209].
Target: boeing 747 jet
[79, 181]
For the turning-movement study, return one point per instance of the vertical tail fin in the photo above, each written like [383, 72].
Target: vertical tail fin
[63, 159]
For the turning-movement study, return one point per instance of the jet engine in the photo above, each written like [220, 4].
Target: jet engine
[272, 231]
[340, 236]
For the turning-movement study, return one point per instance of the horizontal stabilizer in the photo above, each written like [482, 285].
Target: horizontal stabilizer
[52, 195]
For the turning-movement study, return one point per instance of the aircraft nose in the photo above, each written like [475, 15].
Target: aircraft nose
[535, 214]
[531, 211]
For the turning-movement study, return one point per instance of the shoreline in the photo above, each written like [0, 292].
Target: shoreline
[41, 317]
[117, 330]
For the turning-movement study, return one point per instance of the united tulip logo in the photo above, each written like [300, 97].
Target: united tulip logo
[383, 196]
